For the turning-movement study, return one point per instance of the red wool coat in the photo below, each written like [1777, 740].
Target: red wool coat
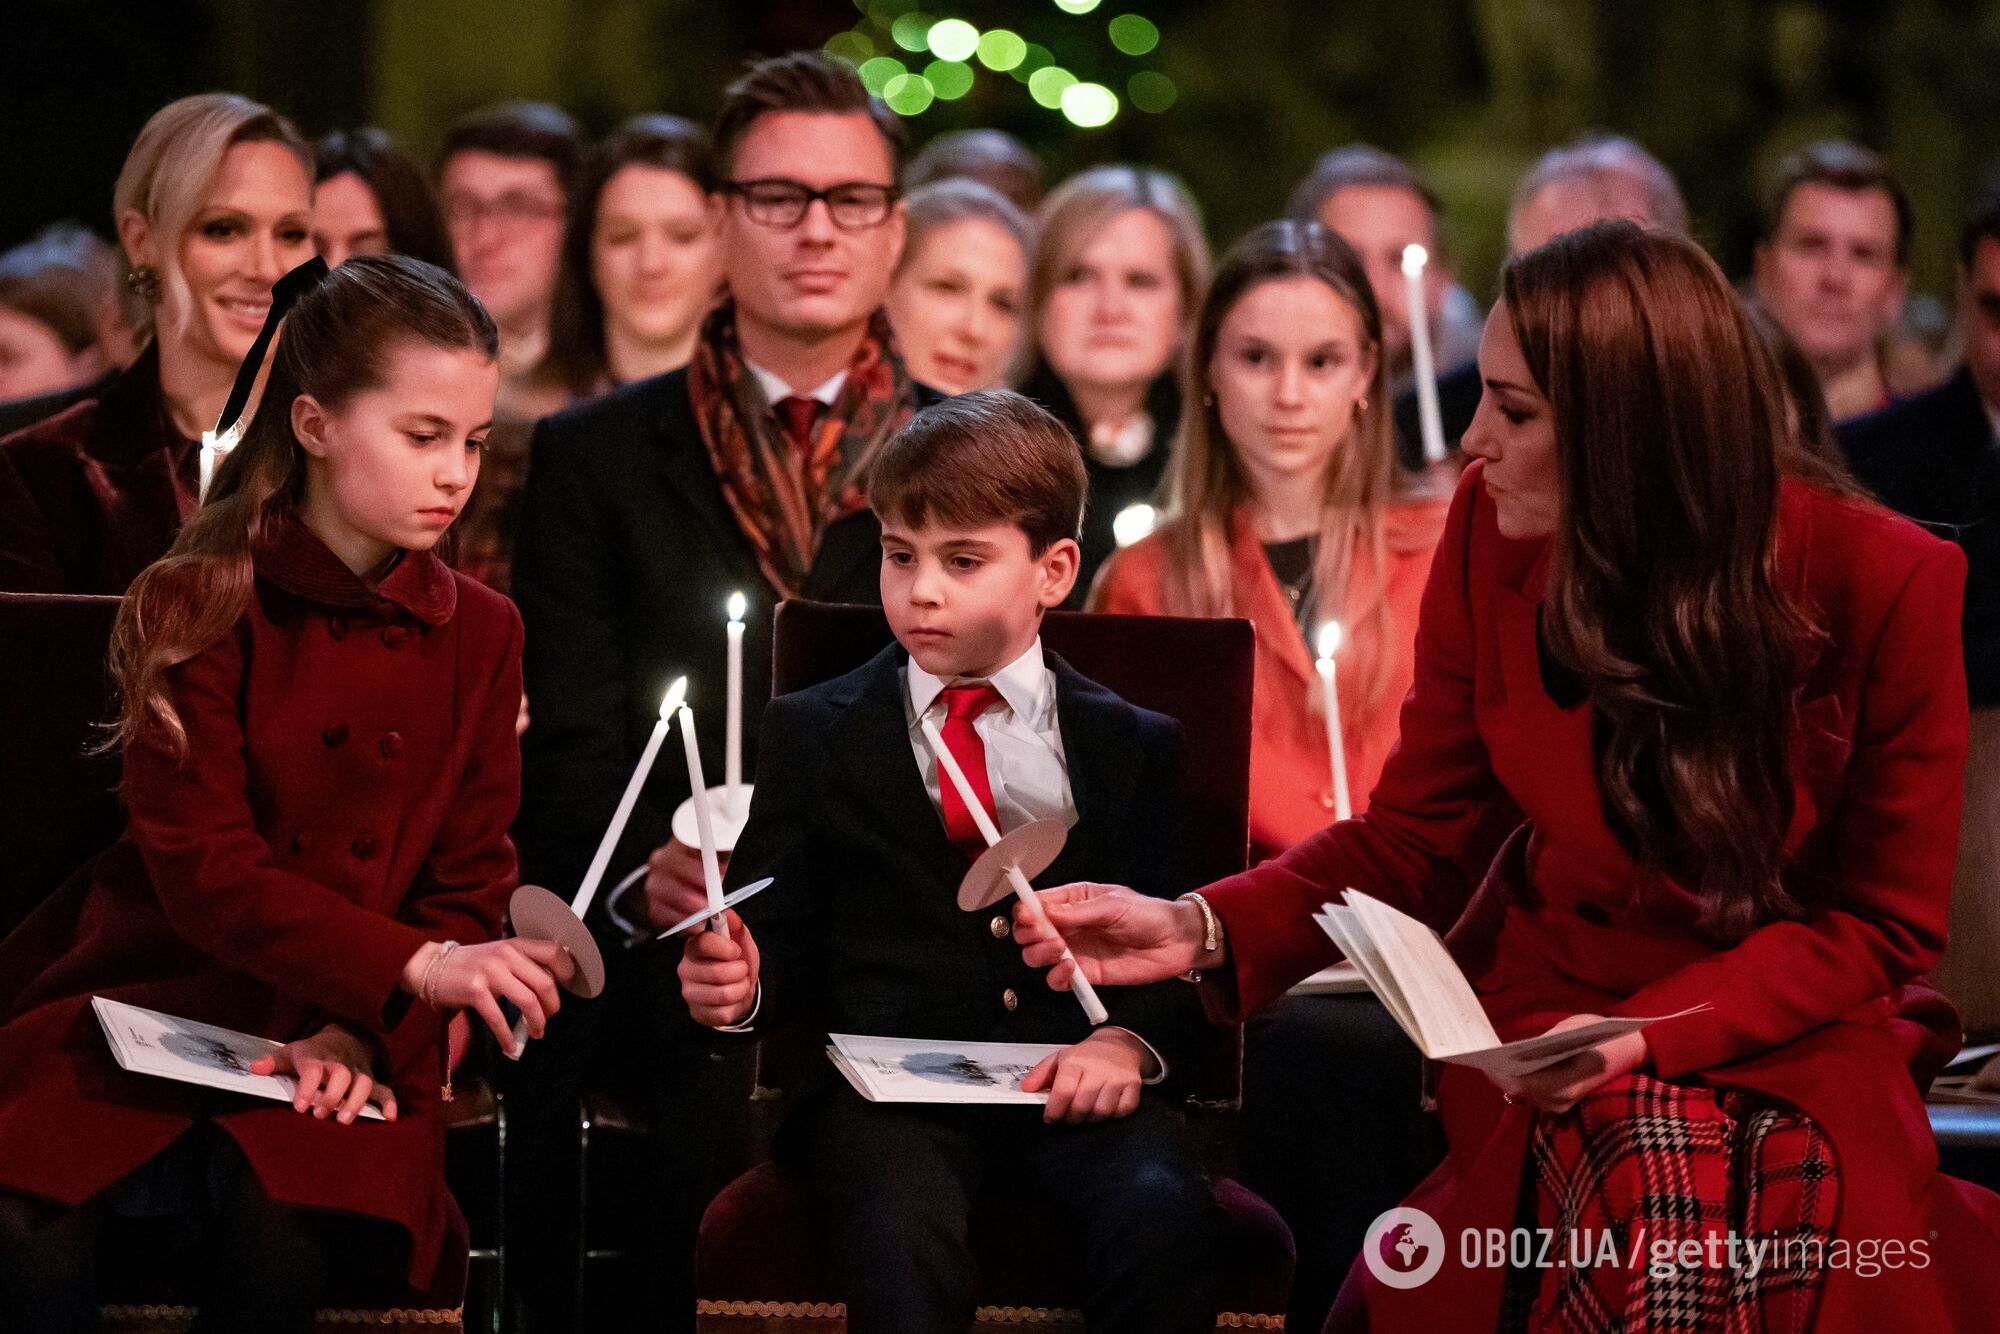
[1829, 1014]
[352, 772]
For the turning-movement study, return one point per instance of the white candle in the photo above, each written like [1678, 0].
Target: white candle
[732, 764]
[1430, 420]
[1086, 994]
[609, 843]
[1329, 643]
[711, 867]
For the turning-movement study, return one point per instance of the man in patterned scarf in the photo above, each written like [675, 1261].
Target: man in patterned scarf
[644, 510]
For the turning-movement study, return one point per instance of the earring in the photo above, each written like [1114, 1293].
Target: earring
[1208, 400]
[1361, 405]
[144, 283]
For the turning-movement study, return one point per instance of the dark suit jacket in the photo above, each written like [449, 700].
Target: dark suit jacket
[1458, 398]
[1932, 457]
[862, 933]
[626, 558]
[17, 414]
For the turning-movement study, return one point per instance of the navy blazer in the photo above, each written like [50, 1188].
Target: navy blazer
[1932, 458]
[862, 933]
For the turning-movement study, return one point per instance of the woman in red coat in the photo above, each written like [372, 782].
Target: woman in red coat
[320, 768]
[1726, 694]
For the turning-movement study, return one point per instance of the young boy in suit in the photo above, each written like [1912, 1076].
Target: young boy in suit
[980, 499]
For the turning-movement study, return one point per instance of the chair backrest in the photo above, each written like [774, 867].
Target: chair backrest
[1194, 670]
[59, 800]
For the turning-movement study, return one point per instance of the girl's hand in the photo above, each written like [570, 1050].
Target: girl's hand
[478, 977]
[1098, 1079]
[719, 974]
[1118, 937]
[332, 1068]
[1558, 1088]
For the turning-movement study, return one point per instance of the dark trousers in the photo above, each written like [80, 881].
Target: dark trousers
[896, 1184]
[1332, 1131]
[638, 1043]
[261, 1266]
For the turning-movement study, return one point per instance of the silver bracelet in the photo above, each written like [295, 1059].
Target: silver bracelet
[427, 991]
[1209, 935]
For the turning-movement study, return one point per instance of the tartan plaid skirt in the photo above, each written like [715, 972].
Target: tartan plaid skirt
[1632, 1199]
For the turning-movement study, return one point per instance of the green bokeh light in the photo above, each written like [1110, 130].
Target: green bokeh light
[1133, 35]
[1076, 6]
[1152, 92]
[1001, 50]
[909, 94]
[1089, 105]
[912, 31]
[1035, 57]
[953, 39]
[853, 47]
[876, 73]
[1048, 84]
[949, 79]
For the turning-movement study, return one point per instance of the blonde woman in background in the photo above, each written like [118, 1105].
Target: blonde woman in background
[1120, 265]
[213, 206]
[958, 297]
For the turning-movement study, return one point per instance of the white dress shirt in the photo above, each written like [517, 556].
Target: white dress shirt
[775, 389]
[1024, 748]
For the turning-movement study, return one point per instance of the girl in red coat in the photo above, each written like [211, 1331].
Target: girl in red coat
[1725, 693]
[320, 767]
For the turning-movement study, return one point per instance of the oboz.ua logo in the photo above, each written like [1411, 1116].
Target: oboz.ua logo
[1404, 1248]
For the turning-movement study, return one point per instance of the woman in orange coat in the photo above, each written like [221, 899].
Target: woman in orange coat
[1727, 694]
[1285, 506]
[320, 768]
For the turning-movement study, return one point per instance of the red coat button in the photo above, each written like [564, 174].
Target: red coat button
[392, 745]
[363, 847]
[336, 735]
[302, 842]
[396, 636]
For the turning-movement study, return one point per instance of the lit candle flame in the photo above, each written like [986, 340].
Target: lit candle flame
[1133, 523]
[1329, 639]
[738, 604]
[675, 694]
[1414, 258]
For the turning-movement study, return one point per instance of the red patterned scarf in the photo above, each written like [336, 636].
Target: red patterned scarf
[784, 499]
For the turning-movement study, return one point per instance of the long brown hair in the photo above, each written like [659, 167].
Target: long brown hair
[1205, 483]
[336, 343]
[1672, 435]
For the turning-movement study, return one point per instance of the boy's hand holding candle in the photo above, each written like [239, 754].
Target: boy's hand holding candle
[718, 974]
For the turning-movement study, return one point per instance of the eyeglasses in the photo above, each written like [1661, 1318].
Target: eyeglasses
[777, 202]
[515, 210]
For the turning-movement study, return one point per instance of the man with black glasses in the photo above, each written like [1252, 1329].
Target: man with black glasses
[644, 511]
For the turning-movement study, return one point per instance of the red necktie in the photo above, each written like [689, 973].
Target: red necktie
[799, 416]
[961, 705]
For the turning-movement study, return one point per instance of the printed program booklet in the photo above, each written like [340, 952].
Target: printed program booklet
[1408, 967]
[921, 1070]
[147, 1042]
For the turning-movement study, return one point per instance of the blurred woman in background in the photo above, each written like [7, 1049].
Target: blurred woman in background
[371, 198]
[958, 294]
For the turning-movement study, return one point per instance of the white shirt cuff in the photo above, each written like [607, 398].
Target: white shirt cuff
[1159, 1076]
[749, 1021]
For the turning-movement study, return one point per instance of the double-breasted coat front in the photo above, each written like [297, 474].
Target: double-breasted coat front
[1828, 1014]
[351, 773]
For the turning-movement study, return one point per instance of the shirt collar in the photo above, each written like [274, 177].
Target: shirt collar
[1023, 683]
[775, 389]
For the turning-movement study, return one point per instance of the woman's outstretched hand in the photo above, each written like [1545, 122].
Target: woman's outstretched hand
[1119, 938]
